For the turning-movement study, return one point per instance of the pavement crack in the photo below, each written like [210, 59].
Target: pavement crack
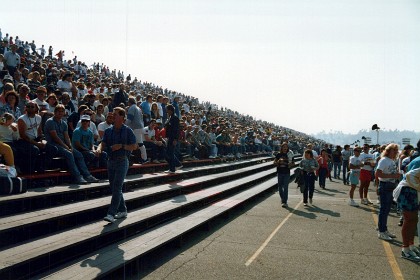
[195, 256]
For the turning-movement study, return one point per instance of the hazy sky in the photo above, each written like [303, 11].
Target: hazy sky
[308, 65]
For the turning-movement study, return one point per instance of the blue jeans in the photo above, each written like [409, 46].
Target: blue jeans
[75, 161]
[385, 196]
[345, 176]
[337, 169]
[283, 185]
[117, 170]
[309, 187]
[322, 176]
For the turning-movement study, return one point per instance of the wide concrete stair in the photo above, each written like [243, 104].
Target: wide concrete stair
[58, 233]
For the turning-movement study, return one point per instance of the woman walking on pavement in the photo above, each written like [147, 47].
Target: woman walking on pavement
[309, 165]
[387, 174]
[323, 168]
[283, 161]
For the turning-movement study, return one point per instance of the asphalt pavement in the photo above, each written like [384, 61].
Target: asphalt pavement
[326, 240]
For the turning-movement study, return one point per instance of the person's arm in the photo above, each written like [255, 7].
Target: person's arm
[380, 174]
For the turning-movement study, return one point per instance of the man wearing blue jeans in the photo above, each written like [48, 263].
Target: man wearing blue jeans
[118, 141]
[283, 161]
[345, 154]
[56, 133]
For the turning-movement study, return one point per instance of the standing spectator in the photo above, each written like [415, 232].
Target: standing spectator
[309, 165]
[354, 164]
[365, 174]
[387, 172]
[135, 122]
[345, 154]
[175, 103]
[283, 162]
[337, 161]
[146, 109]
[323, 168]
[56, 133]
[172, 133]
[12, 60]
[118, 141]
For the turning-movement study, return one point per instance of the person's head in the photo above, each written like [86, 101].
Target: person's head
[323, 152]
[99, 109]
[154, 106]
[109, 118]
[85, 122]
[391, 151]
[59, 111]
[52, 100]
[41, 92]
[308, 154]
[357, 151]
[119, 115]
[7, 118]
[284, 148]
[12, 98]
[82, 109]
[407, 149]
[152, 123]
[65, 98]
[149, 98]
[366, 148]
[170, 109]
[346, 147]
[23, 90]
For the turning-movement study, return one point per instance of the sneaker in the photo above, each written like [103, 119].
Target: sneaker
[109, 218]
[163, 161]
[212, 157]
[284, 205]
[155, 161]
[362, 201]
[91, 179]
[169, 171]
[80, 181]
[305, 204]
[353, 203]
[120, 215]
[310, 201]
[145, 161]
[400, 223]
[384, 236]
[178, 167]
[410, 255]
[368, 201]
[390, 234]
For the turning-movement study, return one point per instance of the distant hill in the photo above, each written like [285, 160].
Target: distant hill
[385, 136]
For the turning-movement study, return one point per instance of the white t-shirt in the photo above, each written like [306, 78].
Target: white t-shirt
[32, 125]
[356, 162]
[102, 127]
[366, 157]
[149, 132]
[387, 166]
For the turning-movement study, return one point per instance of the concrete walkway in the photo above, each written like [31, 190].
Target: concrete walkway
[328, 240]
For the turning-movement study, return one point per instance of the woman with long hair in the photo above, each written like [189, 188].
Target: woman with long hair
[309, 165]
[387, 174]
[155, 111]
[11, 105]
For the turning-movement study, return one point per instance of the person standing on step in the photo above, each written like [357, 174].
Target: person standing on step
[283, 161]
[118, 141]
[172, 134]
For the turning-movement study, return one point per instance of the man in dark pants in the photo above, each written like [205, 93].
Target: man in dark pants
[118, 141]
[172, 133]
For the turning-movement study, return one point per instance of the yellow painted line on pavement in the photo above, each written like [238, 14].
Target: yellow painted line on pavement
[388, 251]
[262, 247]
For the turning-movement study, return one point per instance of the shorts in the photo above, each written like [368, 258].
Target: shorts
[354, 177]
[408, 200]
[365, 175]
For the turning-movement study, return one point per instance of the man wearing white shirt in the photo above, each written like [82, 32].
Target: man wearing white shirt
[369, 162]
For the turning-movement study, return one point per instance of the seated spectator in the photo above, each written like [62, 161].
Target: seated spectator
[34, 82]
[66, 83]
[158, 150]
[99, 116]
[183, 143]
[35, 151]
[155, 111]
[56, 133]
[23, 91]
[74, 118]
[8, 131]
[83, 141]
[11, 105]
[104, 125]
[52, 102]
[224, 144]
[92, 125]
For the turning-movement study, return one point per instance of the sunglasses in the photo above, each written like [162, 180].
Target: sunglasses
[30, 106]
[85, 121]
